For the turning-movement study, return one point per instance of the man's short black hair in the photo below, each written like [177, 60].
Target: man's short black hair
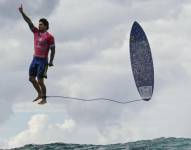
[45, 22]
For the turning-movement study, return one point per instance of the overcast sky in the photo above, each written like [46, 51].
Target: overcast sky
[92, 60]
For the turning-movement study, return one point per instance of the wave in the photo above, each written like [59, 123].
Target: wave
[155, 144]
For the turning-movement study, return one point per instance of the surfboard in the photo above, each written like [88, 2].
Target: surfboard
[141, 61]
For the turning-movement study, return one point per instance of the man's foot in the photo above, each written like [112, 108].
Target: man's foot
[43, 101]
[37, 98]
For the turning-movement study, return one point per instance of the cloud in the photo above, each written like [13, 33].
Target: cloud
[5, 111]
[39, 130]
[83, 20]
[9, 9]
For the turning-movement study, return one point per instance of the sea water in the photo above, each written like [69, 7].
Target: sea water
[155, 144]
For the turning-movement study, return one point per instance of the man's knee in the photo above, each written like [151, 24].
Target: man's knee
[32, 79]
[41, 82]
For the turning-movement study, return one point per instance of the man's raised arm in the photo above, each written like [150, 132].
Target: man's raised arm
[25, 17]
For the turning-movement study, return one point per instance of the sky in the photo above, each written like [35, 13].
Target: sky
[92, 60]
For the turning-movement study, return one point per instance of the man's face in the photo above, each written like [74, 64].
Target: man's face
[41, 26]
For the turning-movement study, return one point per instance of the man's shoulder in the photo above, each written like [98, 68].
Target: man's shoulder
[50, 35]
[34, 29]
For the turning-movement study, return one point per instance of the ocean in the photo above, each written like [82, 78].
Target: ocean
[155, 144]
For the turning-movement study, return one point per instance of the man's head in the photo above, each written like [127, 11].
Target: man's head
[43, 24]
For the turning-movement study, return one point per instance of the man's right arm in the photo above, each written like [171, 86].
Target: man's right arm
[26, 18]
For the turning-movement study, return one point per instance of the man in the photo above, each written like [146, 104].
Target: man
[43, 41]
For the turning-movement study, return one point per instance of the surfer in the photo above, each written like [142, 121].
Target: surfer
[43, 42]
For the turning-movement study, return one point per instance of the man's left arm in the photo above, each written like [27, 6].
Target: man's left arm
[52, 53]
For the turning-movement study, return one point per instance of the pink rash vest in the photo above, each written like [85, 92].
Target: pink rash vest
[43, 41]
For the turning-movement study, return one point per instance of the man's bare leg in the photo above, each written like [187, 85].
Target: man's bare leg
[33, 80]
[43, 90]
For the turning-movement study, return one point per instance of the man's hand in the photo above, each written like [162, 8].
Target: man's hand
[26, 18]
[50, 64]
[21, 8]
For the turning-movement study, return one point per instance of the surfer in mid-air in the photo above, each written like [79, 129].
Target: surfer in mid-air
[43, 42]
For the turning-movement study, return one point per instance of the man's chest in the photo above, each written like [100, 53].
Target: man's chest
[41, 39]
